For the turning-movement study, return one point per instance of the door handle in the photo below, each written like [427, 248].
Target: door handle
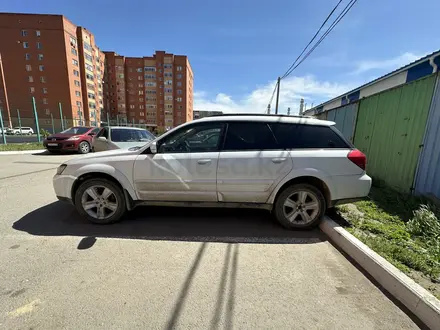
[278, 160]
[204, 161]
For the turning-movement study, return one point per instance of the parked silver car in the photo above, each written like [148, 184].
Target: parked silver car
[110, 138]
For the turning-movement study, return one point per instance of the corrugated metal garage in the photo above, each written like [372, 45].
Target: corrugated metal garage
[345, 119]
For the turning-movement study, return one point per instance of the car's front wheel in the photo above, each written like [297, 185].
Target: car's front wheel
[300, 206]
[84, 147]
[100, 201]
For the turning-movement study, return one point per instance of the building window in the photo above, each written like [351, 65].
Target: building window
[25, 44]
[74, 52]
[141, 107]
[77, 83]
[23, 33]
[30, 79]
[27, 56]
[139, 69]
[77, 93]
[40, 57]
[179, 91]
[179, 68]
[179, 76]
[41, 67]
[150, 68]
[131, 106]
[150, 84]
[45, 100]
[88, 57]
[38, 33]
[141, 99]
[179, 84]
[72, 41]
[43, 79]
[32, 90]
[141, 92]
[47, 111]
[121, 75]
[179, 99]
[167, 66]
[39, 45]
[168, 90]
[44, 90]
[78, 103]
[139, 77]
[74, 62]
[87, 46]
[76, 73]
[28, 67]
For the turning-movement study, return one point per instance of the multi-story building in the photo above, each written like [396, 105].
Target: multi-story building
[92, 70]
[197, 114]
[156, 90]
[46, 57]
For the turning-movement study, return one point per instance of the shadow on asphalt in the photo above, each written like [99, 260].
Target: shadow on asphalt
[174, 224]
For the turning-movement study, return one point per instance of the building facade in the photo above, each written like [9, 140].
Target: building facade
[197, 114]
[44, 57]
[156, 91]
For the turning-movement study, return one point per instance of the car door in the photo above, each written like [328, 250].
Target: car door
[184, 167]
[100, 142]
[251, 163]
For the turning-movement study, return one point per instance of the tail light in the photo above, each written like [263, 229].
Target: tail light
[358, 158]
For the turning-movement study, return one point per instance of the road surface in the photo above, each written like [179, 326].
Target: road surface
[169, 268]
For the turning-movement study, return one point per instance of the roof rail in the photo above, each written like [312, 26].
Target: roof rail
[256, 114]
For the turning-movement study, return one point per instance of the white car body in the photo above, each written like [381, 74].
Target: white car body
[219, 178]
[23, 130]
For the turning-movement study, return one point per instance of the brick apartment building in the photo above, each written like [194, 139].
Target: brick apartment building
[53, 60]
[49, 58]
[157, 90]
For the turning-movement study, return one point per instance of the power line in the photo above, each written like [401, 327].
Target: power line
[326, 33]
[314, 37]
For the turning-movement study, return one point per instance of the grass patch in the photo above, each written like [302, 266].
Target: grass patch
[21, 146]
[403, 229]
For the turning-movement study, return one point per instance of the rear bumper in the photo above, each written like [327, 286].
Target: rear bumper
[351, 187]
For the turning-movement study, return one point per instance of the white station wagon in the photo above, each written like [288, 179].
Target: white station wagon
[296, 167]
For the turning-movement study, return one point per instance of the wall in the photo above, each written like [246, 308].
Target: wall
[385, 84]
[390, 128]
[428, 173]
[345, 119]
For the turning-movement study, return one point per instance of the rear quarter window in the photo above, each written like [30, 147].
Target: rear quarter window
[296, 136]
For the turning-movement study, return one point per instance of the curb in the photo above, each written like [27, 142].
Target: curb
[22, 152]
[418, 300]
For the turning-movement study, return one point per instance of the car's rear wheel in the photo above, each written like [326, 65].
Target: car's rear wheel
[84, 147]
[300, 206]
[100, 201]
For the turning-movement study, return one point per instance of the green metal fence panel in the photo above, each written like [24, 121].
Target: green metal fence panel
[345, 119]
[390, 129]
[322, 116]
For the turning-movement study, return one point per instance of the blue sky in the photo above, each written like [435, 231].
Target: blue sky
[238, 48]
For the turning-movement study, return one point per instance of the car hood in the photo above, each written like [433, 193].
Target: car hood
[100, 156]
[61, 135]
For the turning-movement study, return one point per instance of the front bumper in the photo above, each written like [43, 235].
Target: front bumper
[63, 145]
[62, 184]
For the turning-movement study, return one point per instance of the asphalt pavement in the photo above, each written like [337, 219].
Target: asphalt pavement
[20, 138]
[169, 268]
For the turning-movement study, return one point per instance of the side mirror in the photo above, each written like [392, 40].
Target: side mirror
[102, 138]
[153, 147]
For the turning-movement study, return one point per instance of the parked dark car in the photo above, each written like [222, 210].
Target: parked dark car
[78, 139]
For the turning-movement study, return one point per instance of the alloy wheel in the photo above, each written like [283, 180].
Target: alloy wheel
[99, 202]
[301, 207]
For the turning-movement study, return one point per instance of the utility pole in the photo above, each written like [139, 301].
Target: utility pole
[288, 111]
[278, 95]
[268, 109]
[2, 72]
[301, 107]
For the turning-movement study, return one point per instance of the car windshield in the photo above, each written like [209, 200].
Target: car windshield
[131, 135]
[76, 130]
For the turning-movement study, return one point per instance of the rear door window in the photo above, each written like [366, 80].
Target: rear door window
[242, 136]
[296, 136]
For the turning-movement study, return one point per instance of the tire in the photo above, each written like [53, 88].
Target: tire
[84, 147]
[298, 219]
[98, 186]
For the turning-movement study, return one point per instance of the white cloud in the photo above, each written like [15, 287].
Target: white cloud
[386, 65]
[292, 90]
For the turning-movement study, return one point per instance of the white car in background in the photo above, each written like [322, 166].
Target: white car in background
[296, 167]
[22, 131]
[117, 137]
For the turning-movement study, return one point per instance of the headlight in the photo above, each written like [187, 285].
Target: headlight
[73, 138]
[61, 169]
